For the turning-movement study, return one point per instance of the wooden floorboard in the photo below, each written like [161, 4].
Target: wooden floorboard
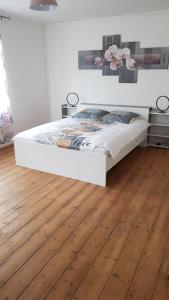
[65, 239]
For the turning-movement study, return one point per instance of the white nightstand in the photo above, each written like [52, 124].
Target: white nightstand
[68, 111]
[158, 133]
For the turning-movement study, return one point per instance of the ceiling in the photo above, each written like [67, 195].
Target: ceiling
[82, 9]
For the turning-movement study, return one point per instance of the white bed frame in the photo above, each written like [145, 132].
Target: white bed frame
[86, 166]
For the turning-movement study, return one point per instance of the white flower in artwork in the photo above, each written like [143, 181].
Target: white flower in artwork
[130, 63]
[116, 64]
[125, 52]
[118, 54]
[98, 61]
[113, 66]
[108, 55]
[111, 52]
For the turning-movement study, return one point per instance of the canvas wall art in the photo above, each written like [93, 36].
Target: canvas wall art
[123, 59]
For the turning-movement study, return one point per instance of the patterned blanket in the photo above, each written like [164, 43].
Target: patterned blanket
[85, 135]
[71, 135]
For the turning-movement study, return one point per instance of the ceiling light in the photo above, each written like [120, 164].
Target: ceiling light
[43, 5]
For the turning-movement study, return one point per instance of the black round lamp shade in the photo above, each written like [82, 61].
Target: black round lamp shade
[72, 99]
[162, 103]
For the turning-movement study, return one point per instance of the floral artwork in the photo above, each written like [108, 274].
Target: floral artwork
[123, 59]
[117, 57]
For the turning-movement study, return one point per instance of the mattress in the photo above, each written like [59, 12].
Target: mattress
[85, 135]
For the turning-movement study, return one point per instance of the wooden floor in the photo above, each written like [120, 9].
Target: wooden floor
[65, 239]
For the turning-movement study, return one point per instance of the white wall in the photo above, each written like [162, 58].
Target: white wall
[65, 39]
[24, 50]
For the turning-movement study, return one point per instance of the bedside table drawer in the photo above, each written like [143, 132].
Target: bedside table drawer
[158, 141]
[159, 118]
[68, 111]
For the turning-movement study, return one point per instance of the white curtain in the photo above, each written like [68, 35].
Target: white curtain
[4, 99]
[6, 124]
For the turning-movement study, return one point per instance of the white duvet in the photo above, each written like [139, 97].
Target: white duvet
[111, 139]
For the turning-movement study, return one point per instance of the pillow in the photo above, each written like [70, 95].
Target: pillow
[119, 116]
[91, 113]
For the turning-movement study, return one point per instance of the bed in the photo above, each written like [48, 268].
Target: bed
[90, 165]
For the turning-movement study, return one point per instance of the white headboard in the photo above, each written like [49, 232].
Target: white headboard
[143, 111]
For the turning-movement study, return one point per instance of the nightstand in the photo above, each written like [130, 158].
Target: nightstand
[158, 133]
[68, 111]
